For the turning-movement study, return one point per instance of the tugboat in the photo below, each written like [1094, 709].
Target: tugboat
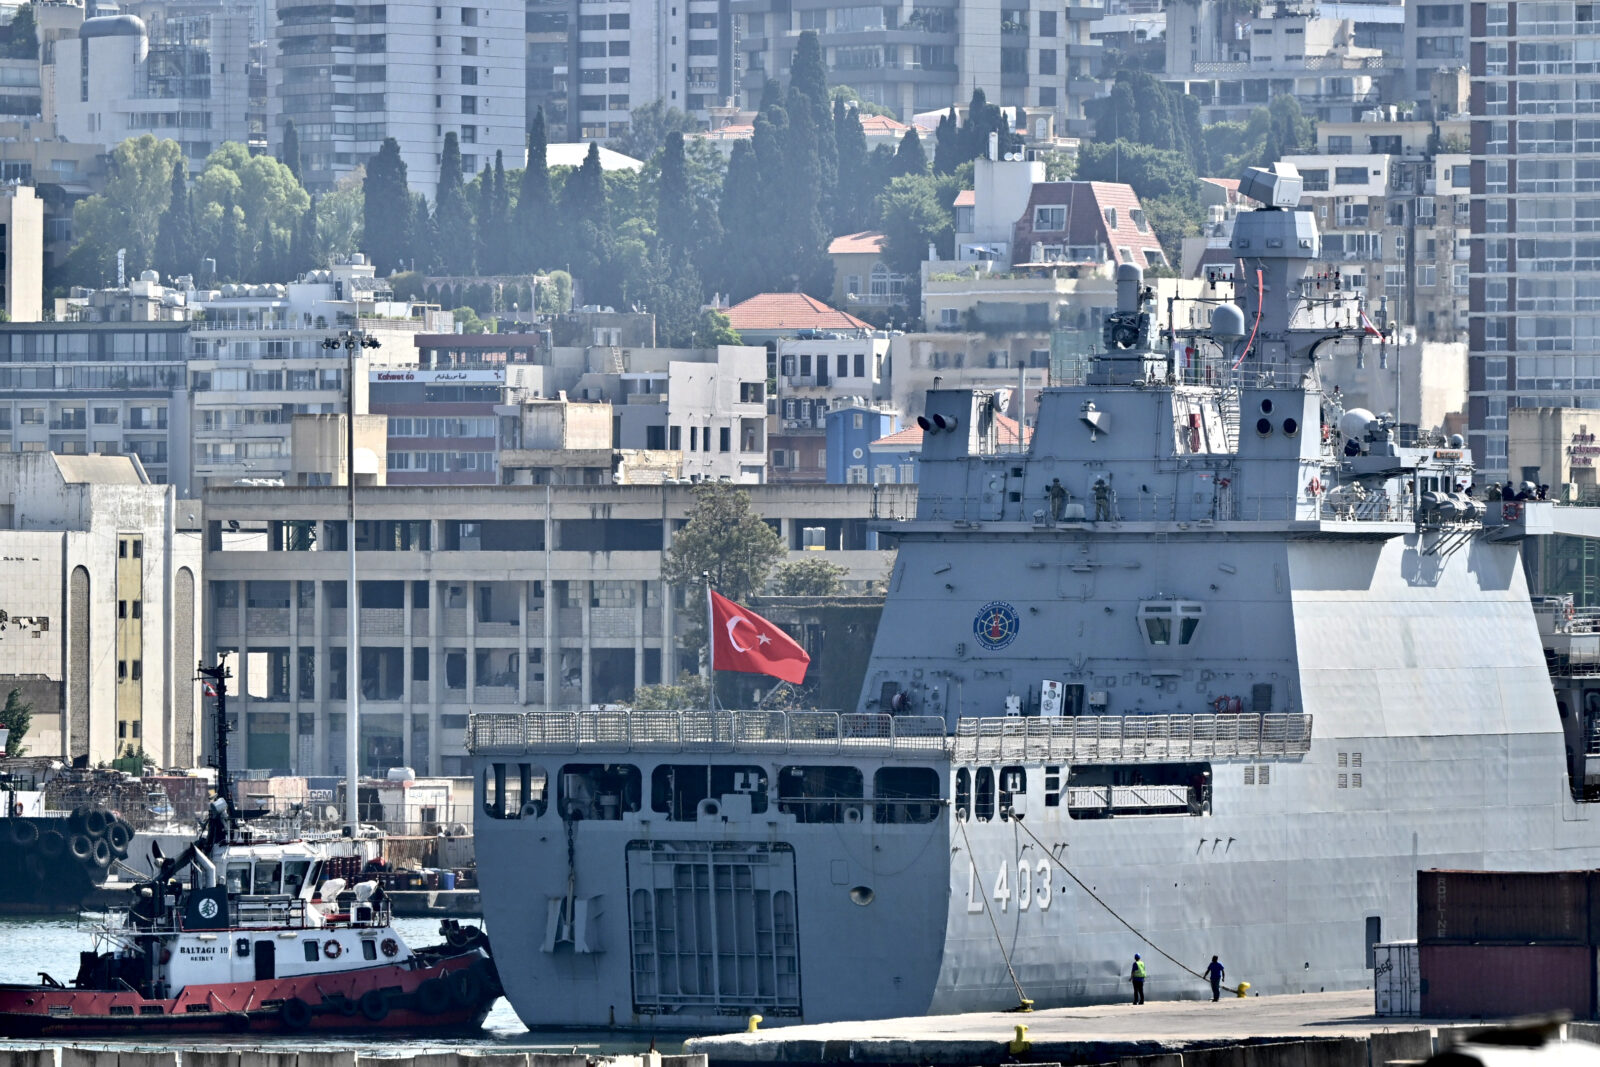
[255, 939]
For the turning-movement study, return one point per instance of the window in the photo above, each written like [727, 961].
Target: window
[1314, 181]
[1162, 620]
[469, 106]
[1350, 175]
[984, 801]
[1050, 218]
[1047, 61]
[1047, 24]
[469, 75]
[725, 439]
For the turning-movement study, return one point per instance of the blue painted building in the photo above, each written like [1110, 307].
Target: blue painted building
[851, 429]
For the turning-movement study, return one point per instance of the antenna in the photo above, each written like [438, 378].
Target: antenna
[218, 677]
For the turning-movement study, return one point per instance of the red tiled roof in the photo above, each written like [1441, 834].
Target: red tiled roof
[882, 125]
[790, 311]
[1088, 204]
[966, 198]
[1230, 184]
[911, 436]
[863, 243]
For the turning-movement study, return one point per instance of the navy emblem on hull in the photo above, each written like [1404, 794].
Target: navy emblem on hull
[996, 625]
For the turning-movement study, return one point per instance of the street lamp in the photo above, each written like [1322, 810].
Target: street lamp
[351, 341]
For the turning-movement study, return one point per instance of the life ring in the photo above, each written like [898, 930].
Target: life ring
[16, 810]
[1571, 612]
[1510, 510]
[1219, 705]
[390, 947]
[852, 815]
[331, 949]
[1314, 486]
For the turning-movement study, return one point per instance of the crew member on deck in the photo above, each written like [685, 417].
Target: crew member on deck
[1136, 976]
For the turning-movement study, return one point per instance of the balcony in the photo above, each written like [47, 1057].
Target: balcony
[266, 622]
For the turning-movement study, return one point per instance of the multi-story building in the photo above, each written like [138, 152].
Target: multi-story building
[351, 76]
[469, 597]
[101, 574]
[181, 76]
[21, 253]
[1335, 59]
[1534, 341]
[1394, 215]
[1021, 53]
[550, 28]
[817, 374]
[1435, 42]
[60, 172]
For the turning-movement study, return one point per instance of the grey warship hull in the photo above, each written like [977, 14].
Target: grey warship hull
[1207, 667]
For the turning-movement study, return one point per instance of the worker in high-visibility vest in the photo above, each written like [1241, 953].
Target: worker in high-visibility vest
[1136, 976]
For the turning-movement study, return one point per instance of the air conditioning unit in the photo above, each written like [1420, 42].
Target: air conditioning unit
[791, 424]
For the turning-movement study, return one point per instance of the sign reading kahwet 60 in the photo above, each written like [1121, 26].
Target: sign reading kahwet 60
[996, 625]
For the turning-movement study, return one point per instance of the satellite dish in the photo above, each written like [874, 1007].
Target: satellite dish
[330, 812]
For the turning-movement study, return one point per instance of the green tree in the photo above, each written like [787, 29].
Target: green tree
[1173, 218]
[724, 539]
[983, 118]
[803, 250]
[535, 216]
[852, 204]
[808, 78]
[1289, 131]
[386, 211]
[174, 252]
[744, 259]
[586, 224]
[648, 127]
[812, 576]
[947, 144]
[1142, 110]
[689, 693]
[451, 213]
[500, 217]
[127, 213]
[909, 158]
[408, 285]
[19, 38]
[852, 99]
[16, 717]
[915, 211]
[675, 211]
[482, 201]
[289, 154]
[262, 187]
[1152, 172]
[231, 243]
[305, 248]
[340, 216]
[671, 289]
[467, 320]
[714, 328]
[555, 293]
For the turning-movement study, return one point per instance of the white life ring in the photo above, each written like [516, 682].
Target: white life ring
[1314, 487]
[852, 815]
[331, 949]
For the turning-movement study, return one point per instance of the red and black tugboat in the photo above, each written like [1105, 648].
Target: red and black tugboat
[242, 932]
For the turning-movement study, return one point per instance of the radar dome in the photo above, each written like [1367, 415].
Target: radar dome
[1354, 422]
[1457, 441]
[1227, 323]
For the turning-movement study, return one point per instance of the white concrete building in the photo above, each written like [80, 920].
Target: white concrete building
[21, 253]
[539, 597]
[351, 76]
[100, 574]
[182, 76]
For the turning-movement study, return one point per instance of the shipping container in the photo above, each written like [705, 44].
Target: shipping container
[1503, 907]
[1397, 979]
[1501, 981]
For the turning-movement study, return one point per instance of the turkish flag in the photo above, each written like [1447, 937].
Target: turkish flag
[743, 641]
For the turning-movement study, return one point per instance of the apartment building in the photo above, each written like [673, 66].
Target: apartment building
[1535, 168]
[818, 374]
[21, 253]
[351, 76]
[101, 572]
[469, 597]
[1336, 59]
[1395, 226]
[182, 75]
[1021, 53]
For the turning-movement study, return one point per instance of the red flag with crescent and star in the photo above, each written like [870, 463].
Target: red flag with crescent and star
[743, 641]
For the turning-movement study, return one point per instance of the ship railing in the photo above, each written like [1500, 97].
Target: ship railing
[1131, 738]
[706, 731]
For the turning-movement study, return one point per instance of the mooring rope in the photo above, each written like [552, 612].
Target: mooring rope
[1023, 1003]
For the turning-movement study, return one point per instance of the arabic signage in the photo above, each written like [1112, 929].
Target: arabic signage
[1583, 450]
[439, 377]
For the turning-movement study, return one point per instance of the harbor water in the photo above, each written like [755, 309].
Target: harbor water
[33, 944]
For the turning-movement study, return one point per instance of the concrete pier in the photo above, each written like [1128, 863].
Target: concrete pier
[1306, 1030]
[19, 1054]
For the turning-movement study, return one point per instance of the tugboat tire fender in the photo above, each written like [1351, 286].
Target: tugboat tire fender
[24, 834]
[119, 835]
[95, 823]
[82, 846]
[77, 818]
[102, 854]
[433, 996]
[295, 1014]
[466, 987]
[52, 844]
[374, 1005]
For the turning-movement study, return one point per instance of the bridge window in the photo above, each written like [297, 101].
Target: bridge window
[1013, 780]
[984, 801]
[905, 795]
[963, 794]
[514, 791]
[821, 794]
[602, 791]
[1168, 622]
[678, 788]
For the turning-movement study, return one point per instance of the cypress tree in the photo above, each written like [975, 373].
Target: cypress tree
[483, 214]
[451, 214]
[423, 251]
[809, 78]
[500, 217]
[771, 95]
[174, 253]
[674, 207]
[230, 242]
[304, 250]
[532, 225]
[290, 156]
[852, 204]
[386, 213]
[740, 212]
[947, 144]
[583, 206]
[803, 231]
[910, 159]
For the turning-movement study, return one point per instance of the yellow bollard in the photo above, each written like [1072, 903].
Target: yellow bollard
[1244, 988]
[1020, 1043]
[755, 1023]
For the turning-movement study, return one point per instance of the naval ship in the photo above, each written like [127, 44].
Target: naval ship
[1210, 666]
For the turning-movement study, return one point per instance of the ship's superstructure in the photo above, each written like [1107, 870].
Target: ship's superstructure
[1210, 666]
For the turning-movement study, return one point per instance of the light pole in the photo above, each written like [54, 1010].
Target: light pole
[351, 341]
